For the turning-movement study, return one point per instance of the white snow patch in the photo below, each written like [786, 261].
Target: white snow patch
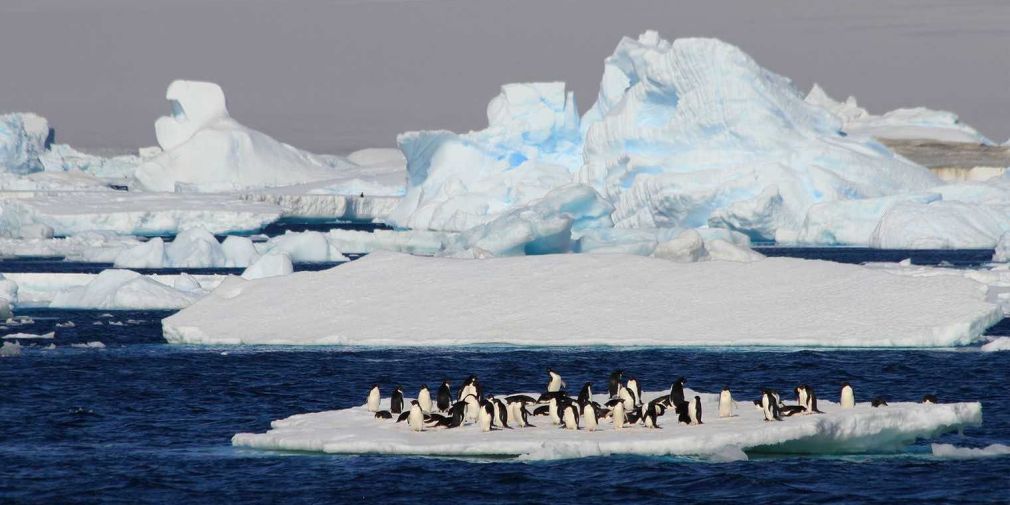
[29, 336]
[998, 344]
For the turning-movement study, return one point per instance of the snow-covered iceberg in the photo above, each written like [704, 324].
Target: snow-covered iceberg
[133, 213]
[205, 150]
[683, 134]
[588, 299]
[23, 138]
[125, 289]
[899, 124]
[862, 429]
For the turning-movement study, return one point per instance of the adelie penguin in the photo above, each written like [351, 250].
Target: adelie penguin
[590, 416]
[396, 401]
[725, 403]
[383, 414]
[586, 394]
[651, 415]
[617, 414]
[930, 399]
[415, 417]
[630, 401]
[677, 392]
[443, 399]
[807, 398]
[570, 416]
[770, 406]
[424, 399]
[848, 397]
[636, 389]
[694, 410]
[614, 382]
[485, 416]
[373, 399]
[554, 381]
[879, 402]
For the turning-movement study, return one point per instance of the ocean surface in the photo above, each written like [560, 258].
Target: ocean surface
[142, 421]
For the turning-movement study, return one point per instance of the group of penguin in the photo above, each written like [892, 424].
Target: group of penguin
[624, 408]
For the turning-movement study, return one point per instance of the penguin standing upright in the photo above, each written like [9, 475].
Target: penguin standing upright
[725, 403]
[848, 399]
[501, 412]
[415, 419]
[801, 395]
[485, 415]
[694, 410]
[811, 400]
[770, 406]
[636, 389]
[614, 382]
[651, 415]
[586, 394]
[677, 392]
[396, 402]
[373, 399]
[618, 413]
[443, 398]
[590, 416]
[554, 381]
[570, 415]
[424, 399]
[473, 407]
[626, 394]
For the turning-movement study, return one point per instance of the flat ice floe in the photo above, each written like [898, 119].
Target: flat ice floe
[575, 299]
[863, 429]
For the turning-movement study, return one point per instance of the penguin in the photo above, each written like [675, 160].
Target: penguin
[424, 399]
[373, 398]
[520, 415]
[520, 399]
[770, 406]
[570, 416]
[590, 415]
[586, 394]
[553, 410]
[636, 389]
[614, 382]
[801, 395]
[619, 415]
[677, 392]
[457, 415]
[403, 417]
[791, 410]
[542, 410]
[415, 417]
[396, 402]
[443, 398]
[485, 415]
[437, 421]
[634, 416]
[879, 402]
[694, 411]
[848, 399]
[628, 396]
[554, 381]
[931, 399]
[469, 387]
[725, 403]
[383, 414]
[472, 408]
[501, 413]
[811, 400]
[652, 413]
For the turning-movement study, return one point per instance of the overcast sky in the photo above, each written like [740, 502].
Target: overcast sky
[334, 75]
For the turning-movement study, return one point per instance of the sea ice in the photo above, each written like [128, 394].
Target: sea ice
[579, 299]
[272, 264]
[29, 336]
[953, 452]
[123, 289]
[862, 429]
[23, 138]
[997, 344]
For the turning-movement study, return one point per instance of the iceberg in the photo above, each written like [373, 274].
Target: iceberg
[269, 265]
[683, 134]
[132, 213]
[996, 345]
[205, 150]
[88, 247]
[591, 299]
[899, 124]
[858, 430]
[123, 289]
[23, 138]
[953, 452]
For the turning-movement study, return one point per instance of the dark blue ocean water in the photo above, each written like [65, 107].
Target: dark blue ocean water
[141, 421]
[958, 258]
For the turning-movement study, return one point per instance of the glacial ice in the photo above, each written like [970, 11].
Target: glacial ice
[911, 123]
[272, 264]
[591, 299]
[862, 429]
[23, 138]
[683, 135]
[205, 150]
[123, 289]
[87, 247]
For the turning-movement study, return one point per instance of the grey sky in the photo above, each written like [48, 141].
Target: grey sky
[332, 75]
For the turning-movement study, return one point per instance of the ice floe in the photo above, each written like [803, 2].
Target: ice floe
[112, 289]
[997, 344]
[953, 452]
[29, 336]
[862, 429]
[580, 299]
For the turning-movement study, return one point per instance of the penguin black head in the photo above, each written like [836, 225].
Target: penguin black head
[588, 384]
[550, 370]
[618, 373]
[399, 388]
[845, 383]
[375, 385]
[424, 386]
[413, 402]
[680, 380]
[725, 388]
[929, 399]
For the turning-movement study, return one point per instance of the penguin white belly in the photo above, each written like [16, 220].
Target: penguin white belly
[619, 418]
[692, 412]
[424, 399]
[848, 398]
[589, 419]
[416, 418]
[373, 400]
[766, 407]
[554, 385]
[629, 399]
[569, 419]
[552, 411]
[514, 416]
[725, 404]
[484, 418]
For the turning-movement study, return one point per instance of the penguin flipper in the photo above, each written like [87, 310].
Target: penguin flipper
[403, 416]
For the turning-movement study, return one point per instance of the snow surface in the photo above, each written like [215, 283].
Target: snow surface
[683, 134]
[122, 290]
[910, 123]
[579, 299]
[997, 344]
[88, 247]
[205, 150]
[862, 429]
[953, 452]
[269, 265]
[133, 213]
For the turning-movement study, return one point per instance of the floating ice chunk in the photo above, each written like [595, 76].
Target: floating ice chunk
[29, 336]
[195, 247]
[719, 249]
[1001, 254]
[271, 264]
[90, 345]
[303, 247]
[852, 222]
[208, 151]
[23, 139]
[187, 283]
[91, 247]
[8, 290]
[862, 429]
[913, 123]
[997, 344]
[122, 289]
[591, 299]
[952, 452]
[150, 254]
[5, 309]
[941, 225]
[688, 247]
[425, 243]
[10, 349]
[239, 251]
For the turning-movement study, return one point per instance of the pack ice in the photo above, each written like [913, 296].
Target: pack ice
[862, 429]
[579, 299]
